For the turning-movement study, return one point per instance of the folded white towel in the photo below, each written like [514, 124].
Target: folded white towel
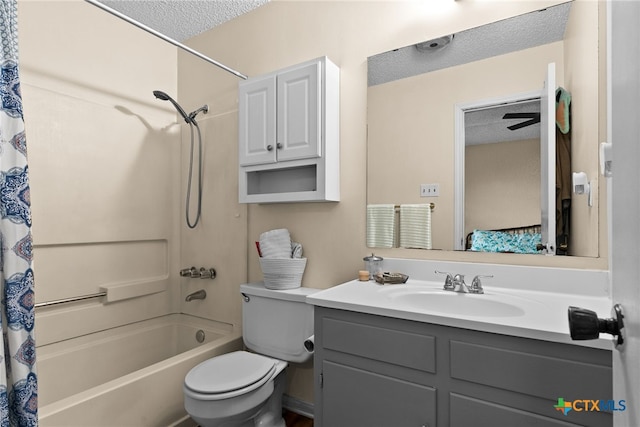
[275, 243]
[381, 226]
[415, 226]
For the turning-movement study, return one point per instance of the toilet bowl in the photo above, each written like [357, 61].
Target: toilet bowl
[244, 389]
[233, 388]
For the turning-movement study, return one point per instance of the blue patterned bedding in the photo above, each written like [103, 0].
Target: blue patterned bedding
[501, 241]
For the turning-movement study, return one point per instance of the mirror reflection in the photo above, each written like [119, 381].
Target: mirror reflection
[502, 174]
[419, 113]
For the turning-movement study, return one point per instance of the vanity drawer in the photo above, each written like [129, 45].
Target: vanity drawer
[356, 397]
[531, 374]
[467, 411]
[418, 351]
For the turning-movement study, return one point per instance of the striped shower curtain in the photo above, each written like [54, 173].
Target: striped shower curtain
[18, 380]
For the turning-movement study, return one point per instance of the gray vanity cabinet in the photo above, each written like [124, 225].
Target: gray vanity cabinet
[378, 371]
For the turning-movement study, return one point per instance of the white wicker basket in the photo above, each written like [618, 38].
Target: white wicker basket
[282, 273]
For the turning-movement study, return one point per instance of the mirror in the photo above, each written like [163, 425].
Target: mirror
[412, 99]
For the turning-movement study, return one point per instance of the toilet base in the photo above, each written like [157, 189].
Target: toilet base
[271, 413]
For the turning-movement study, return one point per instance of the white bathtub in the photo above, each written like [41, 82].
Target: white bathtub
[126, 376]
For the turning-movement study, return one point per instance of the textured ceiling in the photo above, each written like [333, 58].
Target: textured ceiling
[509, 35]
[183, 19]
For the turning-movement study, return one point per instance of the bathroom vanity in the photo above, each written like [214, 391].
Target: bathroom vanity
[385, 357]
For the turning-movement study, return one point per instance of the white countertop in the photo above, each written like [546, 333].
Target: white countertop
[540, 314]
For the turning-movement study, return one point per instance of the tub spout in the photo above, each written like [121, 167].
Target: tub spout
[201, 294]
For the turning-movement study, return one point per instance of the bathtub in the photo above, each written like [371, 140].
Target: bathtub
[127, 376]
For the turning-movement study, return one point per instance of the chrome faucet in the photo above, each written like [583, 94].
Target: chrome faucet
[203, 273]
[456, 283]
[201, 294]
[459, 285]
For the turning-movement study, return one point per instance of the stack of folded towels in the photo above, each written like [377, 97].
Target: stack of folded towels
[280, 259]
[278, 244]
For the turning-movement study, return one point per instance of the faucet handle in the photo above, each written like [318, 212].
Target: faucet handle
[448, 281]
[476, 284]
[187, 272]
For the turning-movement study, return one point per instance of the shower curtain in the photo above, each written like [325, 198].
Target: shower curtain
[18, 380]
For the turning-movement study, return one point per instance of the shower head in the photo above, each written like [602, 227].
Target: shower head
[164, 97]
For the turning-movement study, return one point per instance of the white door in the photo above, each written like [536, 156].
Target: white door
[299, 113]
[548, 161]
[624, 128]
[257, 121]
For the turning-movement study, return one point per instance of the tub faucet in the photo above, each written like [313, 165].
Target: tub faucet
[201, 294]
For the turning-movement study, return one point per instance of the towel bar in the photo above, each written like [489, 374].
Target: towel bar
[431, 205]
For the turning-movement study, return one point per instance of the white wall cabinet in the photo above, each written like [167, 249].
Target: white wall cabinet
[289, 135]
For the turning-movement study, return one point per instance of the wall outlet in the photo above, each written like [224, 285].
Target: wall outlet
[429, 190]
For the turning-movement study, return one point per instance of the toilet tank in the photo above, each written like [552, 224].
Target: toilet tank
[276, 323]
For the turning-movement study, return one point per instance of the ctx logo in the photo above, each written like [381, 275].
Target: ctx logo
[589, 405]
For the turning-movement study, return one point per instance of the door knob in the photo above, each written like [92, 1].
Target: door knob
[585, 325]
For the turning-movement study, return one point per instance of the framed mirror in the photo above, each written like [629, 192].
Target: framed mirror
[415, 93]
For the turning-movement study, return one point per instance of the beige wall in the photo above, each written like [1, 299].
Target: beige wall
[283, 33]
[108, 165]
[502, 185]
[103, 157]
[584, 56]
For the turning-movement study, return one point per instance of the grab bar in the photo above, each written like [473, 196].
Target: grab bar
[70, 299]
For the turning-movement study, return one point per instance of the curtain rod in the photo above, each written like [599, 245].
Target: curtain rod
[165, 38]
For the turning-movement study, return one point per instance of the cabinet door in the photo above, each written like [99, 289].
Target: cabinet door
[354, 397]
[256, 120]
[299, 113]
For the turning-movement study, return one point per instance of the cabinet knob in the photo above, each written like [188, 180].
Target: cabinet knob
[278, 145]
[269, 147]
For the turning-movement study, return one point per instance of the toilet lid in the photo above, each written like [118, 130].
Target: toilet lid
[229, 372]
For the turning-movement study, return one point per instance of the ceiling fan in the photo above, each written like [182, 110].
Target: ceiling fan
[532, 118]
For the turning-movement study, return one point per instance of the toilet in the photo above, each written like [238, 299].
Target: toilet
[242, 388]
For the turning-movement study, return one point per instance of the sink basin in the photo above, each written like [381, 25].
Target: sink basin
[453, 303]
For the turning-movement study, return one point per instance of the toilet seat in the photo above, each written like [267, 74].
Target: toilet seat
[229, 375]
